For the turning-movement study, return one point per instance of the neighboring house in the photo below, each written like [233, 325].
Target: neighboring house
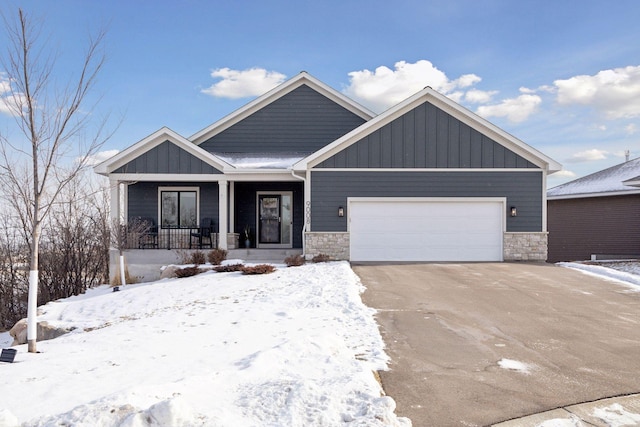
[305, 167]
[596, 216]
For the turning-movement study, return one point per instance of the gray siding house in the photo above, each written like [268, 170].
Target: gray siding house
[305, 167]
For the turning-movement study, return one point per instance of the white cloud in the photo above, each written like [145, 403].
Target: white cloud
[243, 83]
[384, 87]
[615, 92]
[8, 101]
[588, 156]
[476, 96]
[100, 157]
[630, 129]
[514, 109]
[563, 174]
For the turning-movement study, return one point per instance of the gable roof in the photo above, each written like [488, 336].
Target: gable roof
[303, 78]
[440, 101]
[152, 141]
[617, 180]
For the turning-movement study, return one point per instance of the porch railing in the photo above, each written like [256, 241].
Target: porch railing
[171, 238]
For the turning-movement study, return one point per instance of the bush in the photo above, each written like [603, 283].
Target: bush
[321, 258]
[216, 256]
[294, 260]
[259, 269]
[198, 258]
[194, 257]
[188, 272]
[228, 268]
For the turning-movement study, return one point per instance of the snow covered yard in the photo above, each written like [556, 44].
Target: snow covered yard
[293, 348]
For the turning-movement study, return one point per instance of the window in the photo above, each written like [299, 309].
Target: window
[178, 208]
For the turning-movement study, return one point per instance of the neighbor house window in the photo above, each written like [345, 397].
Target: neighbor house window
[178, 208]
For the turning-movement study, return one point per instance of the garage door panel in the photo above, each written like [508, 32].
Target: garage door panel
[426, 231]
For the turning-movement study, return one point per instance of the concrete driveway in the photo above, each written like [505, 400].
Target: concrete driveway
[477, 344]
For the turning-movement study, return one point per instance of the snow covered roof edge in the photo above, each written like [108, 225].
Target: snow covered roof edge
[616, 179]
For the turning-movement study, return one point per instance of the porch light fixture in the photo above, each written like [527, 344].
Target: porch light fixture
[514, 211]
[340, 211]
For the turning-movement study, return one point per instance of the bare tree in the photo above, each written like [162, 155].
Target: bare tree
[52, 121]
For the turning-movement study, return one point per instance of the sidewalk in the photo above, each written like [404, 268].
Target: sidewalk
[616, 411]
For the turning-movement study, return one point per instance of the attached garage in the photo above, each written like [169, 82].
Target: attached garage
[426, 229]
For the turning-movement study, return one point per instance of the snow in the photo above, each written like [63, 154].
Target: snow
[617, 416]
[604, 181]
[630, 279]
[262, 161]
[293, 348]
[514, 365]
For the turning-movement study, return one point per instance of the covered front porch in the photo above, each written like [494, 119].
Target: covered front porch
[210, 214]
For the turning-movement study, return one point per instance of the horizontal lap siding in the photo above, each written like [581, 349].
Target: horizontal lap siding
[579, 228]
[167, 158]
[426, 137]
[302, 121]
[143, 199]
[330, 190]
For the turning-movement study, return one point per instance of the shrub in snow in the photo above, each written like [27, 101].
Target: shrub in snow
[188, 272]
[259, 269]
[197, 258]
[321, 258]
[294, 260]
[216, 256]
[228, 268]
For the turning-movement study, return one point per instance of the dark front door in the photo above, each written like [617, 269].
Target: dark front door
[269, 220]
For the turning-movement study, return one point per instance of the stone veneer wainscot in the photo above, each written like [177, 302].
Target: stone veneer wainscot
[525, 246]
[333, 244]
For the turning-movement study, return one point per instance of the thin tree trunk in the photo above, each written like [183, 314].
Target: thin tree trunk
[32, 304]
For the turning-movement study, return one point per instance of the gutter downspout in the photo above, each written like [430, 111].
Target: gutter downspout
[304, 225]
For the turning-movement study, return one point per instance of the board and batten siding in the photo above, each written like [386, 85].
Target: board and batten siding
[579, 228]
[302, 121]
[167, 158]
[330, 190]
[426, 137]
[143, 199]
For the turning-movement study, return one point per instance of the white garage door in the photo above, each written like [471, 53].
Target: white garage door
[426, 229]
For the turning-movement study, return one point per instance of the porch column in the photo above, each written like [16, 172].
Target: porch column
[232, 203]
[114, 187]
[222, 214]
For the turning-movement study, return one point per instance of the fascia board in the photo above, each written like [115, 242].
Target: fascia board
[275, 94]
[447, 105]
[153, 140]
[633, 182]
[355, 135]
[593, 195]
[499, 135]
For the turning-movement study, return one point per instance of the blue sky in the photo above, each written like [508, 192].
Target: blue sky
[563, 76]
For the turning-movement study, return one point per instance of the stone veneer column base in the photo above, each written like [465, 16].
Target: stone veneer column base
[527, 246]
[333, 244]
[233, 240]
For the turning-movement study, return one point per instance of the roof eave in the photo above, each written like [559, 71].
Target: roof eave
[108, 166]
[446, 104]
[593, 195]
[275, 94]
